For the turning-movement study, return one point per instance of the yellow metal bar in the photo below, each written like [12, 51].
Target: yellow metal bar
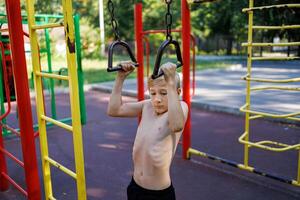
[44, 26]
[276, 58]
[61, 167]
[57, 123]
[261, 146]
[242, 109]
[39, 97]
[271, 6]
[51, 198]
[48, 75]
[275, 88]
[298, 170]
[255, 117]
[74, 98]
[248, 97]
[271, 80]
[271, 44]
[277, 27]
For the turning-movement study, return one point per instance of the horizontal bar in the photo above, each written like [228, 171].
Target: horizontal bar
[255, 117]
[241, 166]
[275, 88]
[200, 1]
[57, 123]
[242, 109]
[261, 146]
[272, 6]
[159, 31]
[271, 80]
[12, 130]
[49, 75]
[272, 142]
[277, 27]
[49, 124]
[275, 58]
[12, 157]
[271, 44]
[14, 184]
[61, 167]
[51, 25]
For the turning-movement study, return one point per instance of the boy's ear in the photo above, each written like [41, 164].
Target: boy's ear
[178, 91]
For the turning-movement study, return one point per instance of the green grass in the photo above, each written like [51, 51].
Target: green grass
[95, 70]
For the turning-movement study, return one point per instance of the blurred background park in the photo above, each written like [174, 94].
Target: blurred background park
[219, 29]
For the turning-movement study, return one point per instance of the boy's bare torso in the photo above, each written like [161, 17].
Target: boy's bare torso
[153, 149]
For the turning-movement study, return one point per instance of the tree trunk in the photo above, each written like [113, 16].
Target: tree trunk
[229, 46]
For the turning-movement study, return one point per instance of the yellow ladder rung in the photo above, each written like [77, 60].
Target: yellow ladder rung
[51, 25]
[57, 123]
[271, 80]
[51, 198]
[275, 88]
[276, 58]
[271, 44]
[48, 75]
[272, 6]
[277, 27]
[61, 167]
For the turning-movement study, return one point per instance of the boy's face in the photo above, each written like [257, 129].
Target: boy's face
[159, 97]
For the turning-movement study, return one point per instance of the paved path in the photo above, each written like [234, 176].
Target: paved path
[223, 90]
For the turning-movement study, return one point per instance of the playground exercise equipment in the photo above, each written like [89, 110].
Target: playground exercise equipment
[251, 114]
[72, 79]
[169, 41]
[117, 42]
[44, 19]
[29, 163]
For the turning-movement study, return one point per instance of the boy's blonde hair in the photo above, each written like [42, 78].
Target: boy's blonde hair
[161, 80]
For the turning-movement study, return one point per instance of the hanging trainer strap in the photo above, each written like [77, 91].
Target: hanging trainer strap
[117, 42]
[169, 41]
[168, 20]
[113, 21]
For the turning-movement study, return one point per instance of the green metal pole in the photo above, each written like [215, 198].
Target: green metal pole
[51, 87]
[79, 70]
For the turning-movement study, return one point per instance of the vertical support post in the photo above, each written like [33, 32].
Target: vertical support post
[4, 185]
[52, 93]
[102, 31]
[79, 69]
[4, 131]
[139, 48]
[248, 84]
[22, 95]
[186, 30]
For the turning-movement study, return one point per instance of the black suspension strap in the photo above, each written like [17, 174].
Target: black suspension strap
[169, 41]
[117, 42]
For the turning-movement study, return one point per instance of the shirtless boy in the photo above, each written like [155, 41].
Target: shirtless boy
[163, 117]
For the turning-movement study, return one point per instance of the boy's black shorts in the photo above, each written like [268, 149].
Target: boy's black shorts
[136, 192]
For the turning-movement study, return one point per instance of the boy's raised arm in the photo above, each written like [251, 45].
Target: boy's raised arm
[116, 108]
[177, 111]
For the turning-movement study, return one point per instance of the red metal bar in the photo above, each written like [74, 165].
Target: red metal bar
[139, 49]
[147, 55]
[160, 31]
[186, 30]
[13, 11]
[194, 62]
[12, 157]
[15, 184]
[12, 130]
[5, 80]
[4, 184]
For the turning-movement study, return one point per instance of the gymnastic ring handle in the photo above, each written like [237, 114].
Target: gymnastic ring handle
[118, 67]
[163, 46]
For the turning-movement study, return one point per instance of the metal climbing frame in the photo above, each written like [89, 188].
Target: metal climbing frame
[26, 134]
[252, 114]
[75, 129]
[267, 145]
